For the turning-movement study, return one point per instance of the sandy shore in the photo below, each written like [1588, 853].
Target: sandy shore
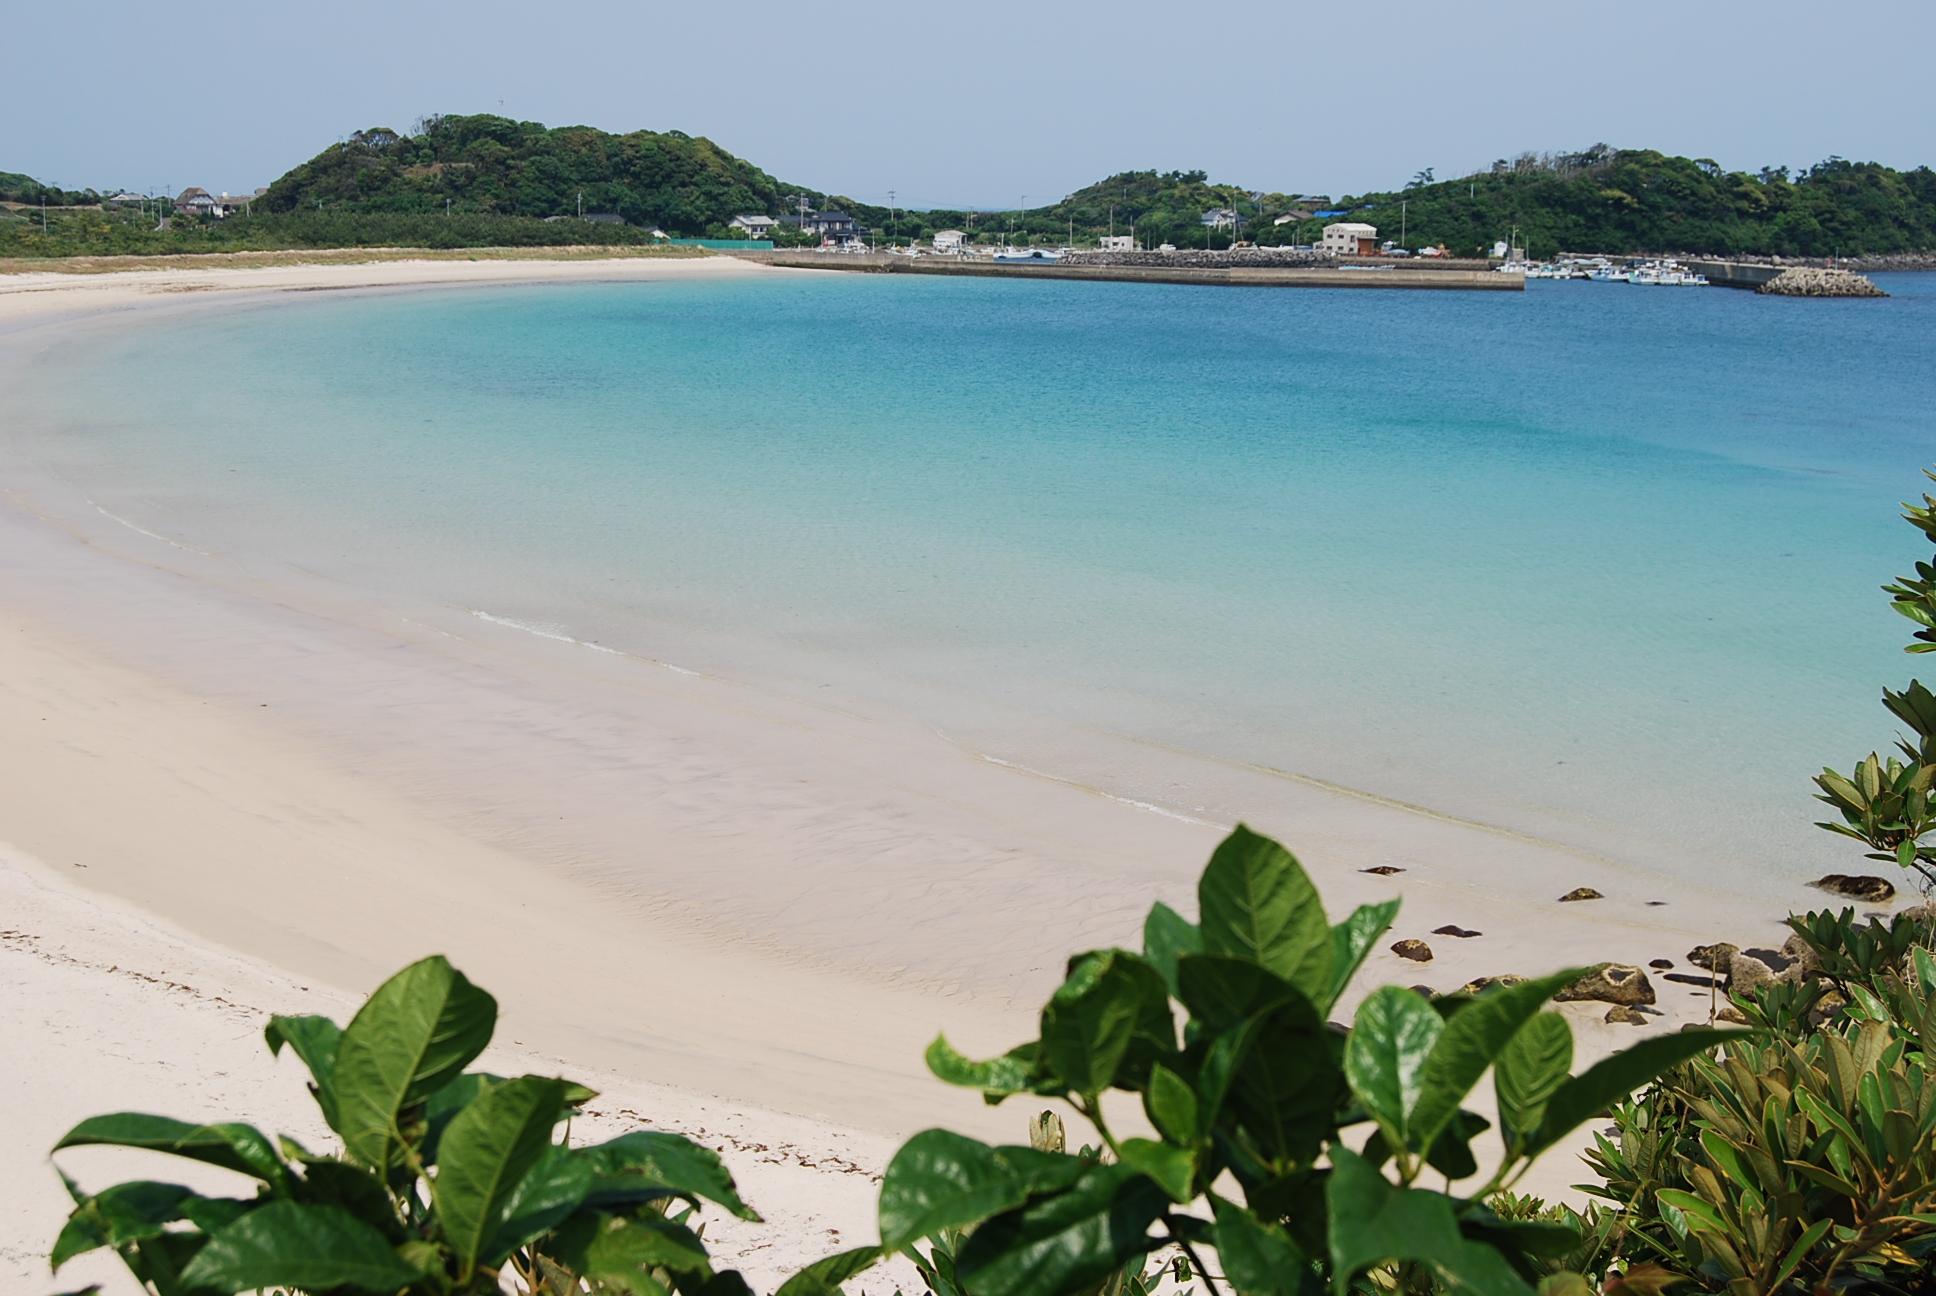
[226, 791]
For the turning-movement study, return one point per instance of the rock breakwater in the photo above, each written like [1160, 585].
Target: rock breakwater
[1800, 282]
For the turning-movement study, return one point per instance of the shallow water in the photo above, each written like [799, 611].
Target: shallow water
[1594, 562]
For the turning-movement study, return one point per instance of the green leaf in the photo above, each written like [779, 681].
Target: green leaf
[1384, 1060]
[1113, 1010]
[1221, 991]
[1171, 1105]
[1257, 903]
[621, 1251]
[550, 1190]
[119, 1215]
[1168, 936]
[823, 1277]
[484, 1154]
[1371, 1222]
[1611, 1079]
[288, 1244]
[412, 1036]
[1473, 1037]
[940, 1179]
[1065, 1241]
[1805, 1243]
[1531, 1068]
[1013, 1072]
[241, 1148]
[1174, 1169]
[1352, 940]
[356, 1190]
[1699, 1212]
[647, 1164]
[1258, 1256]
[315, 1040]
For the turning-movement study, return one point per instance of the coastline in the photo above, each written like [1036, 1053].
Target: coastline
[810, 893]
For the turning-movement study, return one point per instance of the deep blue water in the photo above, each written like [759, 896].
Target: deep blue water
[1595, 561]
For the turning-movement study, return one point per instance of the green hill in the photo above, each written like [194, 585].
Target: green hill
[1626, 200]
[495, 166]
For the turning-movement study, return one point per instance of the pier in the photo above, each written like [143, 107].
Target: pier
[1356, 273]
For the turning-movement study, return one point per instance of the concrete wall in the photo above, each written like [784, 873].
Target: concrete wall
[1735, 274]
[1401, 275]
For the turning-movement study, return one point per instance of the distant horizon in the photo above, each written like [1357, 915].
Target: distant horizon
[916, 202]
[948, 110]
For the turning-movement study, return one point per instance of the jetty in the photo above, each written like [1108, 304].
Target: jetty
[1787, 281]
[1234, 272]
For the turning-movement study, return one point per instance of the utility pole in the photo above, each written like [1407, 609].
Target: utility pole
[1401, 222]
[893, 226]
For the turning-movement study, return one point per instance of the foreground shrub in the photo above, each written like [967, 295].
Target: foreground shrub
[1293, 1147]
[446, 1181]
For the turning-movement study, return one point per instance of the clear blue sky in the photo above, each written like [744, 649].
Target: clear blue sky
[977, 105]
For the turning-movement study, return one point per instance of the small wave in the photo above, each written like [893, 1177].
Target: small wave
[1145, 806]
[142, 530]
[556, 633]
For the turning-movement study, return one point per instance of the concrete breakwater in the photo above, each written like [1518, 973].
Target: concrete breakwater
[1246, 275]
[1804, 282]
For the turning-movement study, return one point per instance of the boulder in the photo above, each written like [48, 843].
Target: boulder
[1620, 1015]
[1733, 1016]
[1857, 886]
[1712, 957]
[1581, 893]
[1803, 961]
[1746, 974]
[1415, 950]
[1480, 985]
[1614, 983]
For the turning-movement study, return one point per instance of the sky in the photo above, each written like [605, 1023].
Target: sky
[958, 105]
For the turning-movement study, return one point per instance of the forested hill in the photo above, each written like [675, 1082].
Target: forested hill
[1621, 200]
[495, 166]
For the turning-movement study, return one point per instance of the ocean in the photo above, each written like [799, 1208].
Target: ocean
[1595, 563]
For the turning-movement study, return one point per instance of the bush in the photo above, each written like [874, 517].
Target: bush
[446, 1179]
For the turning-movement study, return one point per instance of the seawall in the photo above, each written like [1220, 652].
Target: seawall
[1392, 276]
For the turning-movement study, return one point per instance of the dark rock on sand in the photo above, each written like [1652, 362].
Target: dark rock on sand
[1619, 1014]
[1463, 933]
[1712, 957]
[1382, 870]
[1614, 983]
[1415, 950]
[1661, 965]
[1581, 893]
[1857, 886]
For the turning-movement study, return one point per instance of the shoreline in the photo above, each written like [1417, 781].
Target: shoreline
[741, 897]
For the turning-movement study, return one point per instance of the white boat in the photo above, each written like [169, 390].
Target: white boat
[1027, 256]
[1644, 275]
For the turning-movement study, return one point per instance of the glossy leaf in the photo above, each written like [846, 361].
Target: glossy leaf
[1258, 1257]
[646, 1164]
[1011, 1073]
[485, 1153]
[1472, 1039]
[1172, 1168]
[315, 1040]
[288, 1244]
[1611, 1079]
[1112, 1009]
[1352, 940]
[1257, 903]
[1168, 936]
[1171, 1105]
[1372, 1222]
[1384, 1060]
[1058, 1243]
[824, 1277]
[415, 1033]
[119, 1215]
[1531, 1068]
[549, 1191]
[940, 1179]
[237, 1147]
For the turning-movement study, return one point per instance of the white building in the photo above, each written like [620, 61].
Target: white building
[1118, 243]
[949, 240]
[756, 227]
[1349, 238]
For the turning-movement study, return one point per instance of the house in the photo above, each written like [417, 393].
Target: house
[1220, 218]
[754, 227]
[195, 201]
[604, 218]
[1117, 243]
[838, 226]
[127, 200]
[949, 240]
[229, 204]
[1292, 217]
[1349, 238]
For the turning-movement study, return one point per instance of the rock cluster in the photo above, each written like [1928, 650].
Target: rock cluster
[1801, 282]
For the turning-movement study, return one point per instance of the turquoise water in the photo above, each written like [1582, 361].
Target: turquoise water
[1593, 562]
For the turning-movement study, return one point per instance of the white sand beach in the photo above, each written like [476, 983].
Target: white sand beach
[739, 912]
